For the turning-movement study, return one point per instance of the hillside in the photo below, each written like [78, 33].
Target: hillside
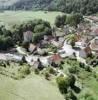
[83, 6]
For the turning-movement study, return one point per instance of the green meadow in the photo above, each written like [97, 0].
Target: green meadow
[31, 88]
[12, 17]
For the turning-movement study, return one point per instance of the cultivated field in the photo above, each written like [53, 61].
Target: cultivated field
[12, 17]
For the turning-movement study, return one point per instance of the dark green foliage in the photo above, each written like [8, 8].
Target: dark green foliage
[63, 84]
[74, 19]
[25, 45]
[47, 76]
[73, 69]
[24, 70]
[72, 80]
[60, 21]
[5, 38]
[38, 27]
[37, 71]
[37, 37]
[70, 96]
[88, 96]
[52, 71]
[5, 42]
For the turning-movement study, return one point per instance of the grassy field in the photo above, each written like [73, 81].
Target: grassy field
[88, 82]
[11, 17]
[31, 88]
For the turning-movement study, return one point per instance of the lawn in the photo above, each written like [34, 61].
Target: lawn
[32, 87]
[11, 17]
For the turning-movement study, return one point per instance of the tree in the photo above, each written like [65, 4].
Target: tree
[37, 37]
[70, 96]
[60, 21]
[63, 84]
[38, 27]
[85, 7]
[5, 42]
[72, 80]
[74, 19]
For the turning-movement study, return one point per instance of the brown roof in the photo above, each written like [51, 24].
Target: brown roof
[77, 37]
[56, 58]
[87, 50]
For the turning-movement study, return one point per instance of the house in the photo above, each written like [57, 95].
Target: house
[21, 50]
[48, 37]
[82, 41]
[94, 45]
[66, 29]
[59, 33]
[83, 27]
[93, 19]
[14, 57]
[41, 52]
[94, 31]
[28, 36]
[58, 42]
[62, 53]
[38, 64]
[61, 40]
[32, 48]
[55, 60]
[83, 53]
[55, 43]
[77, 37]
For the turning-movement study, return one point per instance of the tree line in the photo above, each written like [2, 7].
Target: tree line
[15, 36]
[85, 7]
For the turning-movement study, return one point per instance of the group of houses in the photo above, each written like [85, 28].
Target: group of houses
[39, 56]
[86, 43]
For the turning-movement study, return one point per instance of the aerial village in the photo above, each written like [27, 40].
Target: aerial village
[52, 55]
[85, 44]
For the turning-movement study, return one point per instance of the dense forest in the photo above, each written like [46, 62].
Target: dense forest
[82, 6]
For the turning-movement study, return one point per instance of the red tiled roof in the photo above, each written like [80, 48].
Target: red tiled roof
[56, 57]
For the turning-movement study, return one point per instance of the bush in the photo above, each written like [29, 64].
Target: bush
[63, 84]
[47, 76]
[60, 21]
[82, 65]
[73, 70]
[89, 96]
[70, 96]
[74, 19]
[36, 71]
[52, 71]
[5, 42]
[72, 80]
[19, 76]
[24, 70]
[88, 68]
